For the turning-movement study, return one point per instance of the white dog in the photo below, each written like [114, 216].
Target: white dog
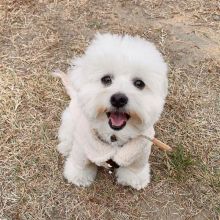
[117, 89]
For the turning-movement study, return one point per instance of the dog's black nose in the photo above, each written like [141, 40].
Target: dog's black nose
[119, 100]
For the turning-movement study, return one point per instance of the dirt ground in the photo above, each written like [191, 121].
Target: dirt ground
[38, 36]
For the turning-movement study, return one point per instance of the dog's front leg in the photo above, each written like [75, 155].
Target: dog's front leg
[78, 168]
[133, 160]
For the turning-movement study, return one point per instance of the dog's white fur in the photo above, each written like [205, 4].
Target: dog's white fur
[126, 58]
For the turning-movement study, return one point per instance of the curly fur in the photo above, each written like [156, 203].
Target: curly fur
[126, 58]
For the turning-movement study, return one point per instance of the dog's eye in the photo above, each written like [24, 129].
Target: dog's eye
[139, 83]
[106, 80]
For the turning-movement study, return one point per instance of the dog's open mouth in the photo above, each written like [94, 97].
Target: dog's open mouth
[117, 120]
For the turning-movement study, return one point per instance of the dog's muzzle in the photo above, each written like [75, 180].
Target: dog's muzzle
[117, 115]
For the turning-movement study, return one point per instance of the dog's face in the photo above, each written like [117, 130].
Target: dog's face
[121, 83]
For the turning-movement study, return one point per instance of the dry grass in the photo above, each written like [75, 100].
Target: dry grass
[37, 36]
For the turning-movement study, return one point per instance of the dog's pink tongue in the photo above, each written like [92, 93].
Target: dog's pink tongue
[118, 118]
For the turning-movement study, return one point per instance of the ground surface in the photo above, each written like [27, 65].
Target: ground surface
[38, 36]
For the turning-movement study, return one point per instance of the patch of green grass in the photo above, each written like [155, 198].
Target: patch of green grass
[218, 209]
[179, 163]
[95, 24]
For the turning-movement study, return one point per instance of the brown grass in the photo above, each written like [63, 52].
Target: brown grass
[38, 36]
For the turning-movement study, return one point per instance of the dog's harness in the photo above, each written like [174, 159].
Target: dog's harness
[112, 165]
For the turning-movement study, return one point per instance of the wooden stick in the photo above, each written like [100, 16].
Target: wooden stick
[160, 144]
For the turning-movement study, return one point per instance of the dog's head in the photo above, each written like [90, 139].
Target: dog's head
[121, 82]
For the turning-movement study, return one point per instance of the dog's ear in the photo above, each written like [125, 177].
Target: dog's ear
[77, 73]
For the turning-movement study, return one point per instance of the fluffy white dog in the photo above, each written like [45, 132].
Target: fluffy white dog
[117, 89]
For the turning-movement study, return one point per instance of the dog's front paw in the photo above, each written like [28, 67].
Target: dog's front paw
[121, 160]
[79, 176]
[138, 179]
[131, 151]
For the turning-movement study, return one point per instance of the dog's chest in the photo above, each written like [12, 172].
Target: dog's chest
[113, 139]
